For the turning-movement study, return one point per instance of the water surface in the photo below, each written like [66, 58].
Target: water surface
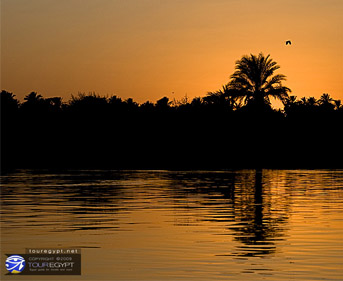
[172, 225]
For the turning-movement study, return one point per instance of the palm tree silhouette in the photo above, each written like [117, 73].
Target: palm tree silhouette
[338, 104]
[224, 96]
[325, 99]
[33, 97]
[254, 80]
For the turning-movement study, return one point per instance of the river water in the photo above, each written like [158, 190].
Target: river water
[180, 225]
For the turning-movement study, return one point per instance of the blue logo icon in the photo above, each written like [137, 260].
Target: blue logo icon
[15, 264]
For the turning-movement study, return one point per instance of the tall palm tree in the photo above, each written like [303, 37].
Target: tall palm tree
[254, 80]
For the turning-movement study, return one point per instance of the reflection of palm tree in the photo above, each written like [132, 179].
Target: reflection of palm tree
[254, 81]
[254, 227]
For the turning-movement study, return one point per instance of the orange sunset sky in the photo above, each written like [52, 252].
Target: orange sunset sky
[147, 49]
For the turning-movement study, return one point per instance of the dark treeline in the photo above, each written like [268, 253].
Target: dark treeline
[235, 127]
[91, 131]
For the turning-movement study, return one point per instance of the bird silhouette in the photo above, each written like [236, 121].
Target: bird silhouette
[288, 42]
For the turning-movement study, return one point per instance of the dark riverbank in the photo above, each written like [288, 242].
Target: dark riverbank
[98, 132]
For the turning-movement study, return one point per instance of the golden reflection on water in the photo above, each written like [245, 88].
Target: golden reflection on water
[169, 225]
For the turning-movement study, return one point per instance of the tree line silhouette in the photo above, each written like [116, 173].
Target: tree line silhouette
[234, 127]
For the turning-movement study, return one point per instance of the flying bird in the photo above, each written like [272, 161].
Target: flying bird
[288, 42]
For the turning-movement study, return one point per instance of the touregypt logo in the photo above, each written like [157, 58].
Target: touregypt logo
[15, 264]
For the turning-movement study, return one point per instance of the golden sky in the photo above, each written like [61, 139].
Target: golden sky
[147, 49]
